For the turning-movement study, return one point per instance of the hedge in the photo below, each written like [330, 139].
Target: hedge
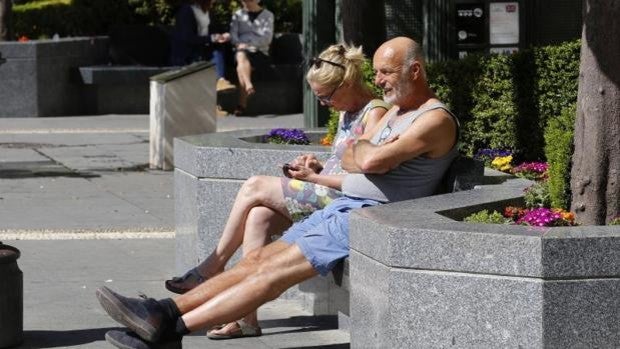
[43, 19]
[505, 101]
[558, 150]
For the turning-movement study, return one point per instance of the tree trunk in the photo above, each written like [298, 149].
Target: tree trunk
[596, 160]
[363, 23]
[5, 20]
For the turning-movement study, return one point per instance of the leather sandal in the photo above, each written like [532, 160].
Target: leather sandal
[185, 283]
[243, 330]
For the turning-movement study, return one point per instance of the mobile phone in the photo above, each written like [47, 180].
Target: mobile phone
[286, 168]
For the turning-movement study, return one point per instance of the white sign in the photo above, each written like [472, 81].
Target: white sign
[504, 23]
[504, 50]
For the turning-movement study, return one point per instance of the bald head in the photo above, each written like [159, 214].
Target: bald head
[401, 49]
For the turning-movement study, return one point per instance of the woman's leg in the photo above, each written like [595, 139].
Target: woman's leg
[244, 74]
[256, 191]
[262, 222]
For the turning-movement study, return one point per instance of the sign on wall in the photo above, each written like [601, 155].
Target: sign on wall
[470, 23]
[503, 23]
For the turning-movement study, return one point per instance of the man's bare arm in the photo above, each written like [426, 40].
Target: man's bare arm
[433, 135]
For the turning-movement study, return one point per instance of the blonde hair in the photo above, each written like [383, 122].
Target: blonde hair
[330, 75]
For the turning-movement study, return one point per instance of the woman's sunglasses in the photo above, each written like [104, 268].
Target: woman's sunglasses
[317, 62]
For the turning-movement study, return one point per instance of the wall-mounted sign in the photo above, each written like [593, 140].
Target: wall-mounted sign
[504, 50]
[504, 23]
[470, 23]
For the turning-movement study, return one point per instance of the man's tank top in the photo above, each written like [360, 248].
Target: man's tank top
[413, 178]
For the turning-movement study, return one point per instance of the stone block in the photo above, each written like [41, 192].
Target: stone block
[444, 283]
[182, 103]
[209, 170]
[40, 77]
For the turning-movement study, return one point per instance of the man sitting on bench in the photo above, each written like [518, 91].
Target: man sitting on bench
[406, 158]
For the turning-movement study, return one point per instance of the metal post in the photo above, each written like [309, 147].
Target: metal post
[319, 31]
[11, 298]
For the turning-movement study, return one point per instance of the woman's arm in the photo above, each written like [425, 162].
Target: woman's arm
[308, 175]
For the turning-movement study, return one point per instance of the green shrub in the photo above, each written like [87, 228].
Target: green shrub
[43, 19]
[614, 221]
[537, 195]
[558, 150]
[487, 217]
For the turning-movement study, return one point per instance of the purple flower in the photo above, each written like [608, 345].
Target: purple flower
[287, 136]
[531, 170]
[541, 217]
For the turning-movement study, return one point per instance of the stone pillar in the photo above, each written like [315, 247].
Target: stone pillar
[319, 29]
[183, 103]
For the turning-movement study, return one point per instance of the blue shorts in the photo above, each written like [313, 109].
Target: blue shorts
[323, 237]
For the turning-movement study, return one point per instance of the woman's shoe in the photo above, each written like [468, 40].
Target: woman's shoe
[239, 111]
[185, 283]
[241, 329]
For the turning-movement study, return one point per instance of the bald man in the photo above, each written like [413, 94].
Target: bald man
[405, 158]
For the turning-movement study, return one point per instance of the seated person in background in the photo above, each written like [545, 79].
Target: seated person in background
[251, 32]
[405, 157]
[268, 205]
[193, 38]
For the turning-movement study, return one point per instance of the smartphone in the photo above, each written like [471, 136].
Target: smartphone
[285, 169]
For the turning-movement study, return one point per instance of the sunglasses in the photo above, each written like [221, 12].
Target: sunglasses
[317, 62]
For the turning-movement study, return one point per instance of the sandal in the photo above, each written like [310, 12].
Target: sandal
[243, 330]
[185, 283]
[239, 111]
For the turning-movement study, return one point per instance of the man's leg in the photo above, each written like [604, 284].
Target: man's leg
[273, 276]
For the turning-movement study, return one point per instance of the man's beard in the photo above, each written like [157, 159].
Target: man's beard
[402, 92]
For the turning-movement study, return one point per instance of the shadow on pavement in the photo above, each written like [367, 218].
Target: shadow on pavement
[301, 324]
[62, 339]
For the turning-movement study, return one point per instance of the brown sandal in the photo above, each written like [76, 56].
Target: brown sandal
[243, 330]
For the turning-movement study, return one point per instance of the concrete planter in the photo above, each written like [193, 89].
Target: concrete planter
[41, 77]
[420, 278]
[209, 170]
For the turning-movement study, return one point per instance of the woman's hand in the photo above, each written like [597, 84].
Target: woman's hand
[303, 173]
[310, 161]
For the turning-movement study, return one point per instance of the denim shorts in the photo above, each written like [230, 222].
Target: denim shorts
[323, 237]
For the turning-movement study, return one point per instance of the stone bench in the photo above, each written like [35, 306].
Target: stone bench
[111, 89]
[210, 169]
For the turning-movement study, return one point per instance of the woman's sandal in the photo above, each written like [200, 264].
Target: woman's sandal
[243, 330]
[185, 283]
[239, 111]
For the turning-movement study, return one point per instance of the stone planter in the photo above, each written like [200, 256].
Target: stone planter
[420, 278]
[41, 77]
[209, 170]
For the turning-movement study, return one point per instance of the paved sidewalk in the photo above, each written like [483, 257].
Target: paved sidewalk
[77, 198]
[88, 177]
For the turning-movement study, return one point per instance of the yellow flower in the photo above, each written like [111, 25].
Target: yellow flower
[502, 163]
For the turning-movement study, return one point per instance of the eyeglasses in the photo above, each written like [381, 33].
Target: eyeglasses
[328, 99]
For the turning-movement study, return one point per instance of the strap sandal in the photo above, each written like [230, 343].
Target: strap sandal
[243, 329]
[185, 283]
[239, 110]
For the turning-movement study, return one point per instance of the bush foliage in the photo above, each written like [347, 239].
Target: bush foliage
[44, 18]
[558, 150]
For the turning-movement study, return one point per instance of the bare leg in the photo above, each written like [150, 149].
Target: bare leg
[244, 75]
[260, 221]
[221, 301]
[256, 191]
